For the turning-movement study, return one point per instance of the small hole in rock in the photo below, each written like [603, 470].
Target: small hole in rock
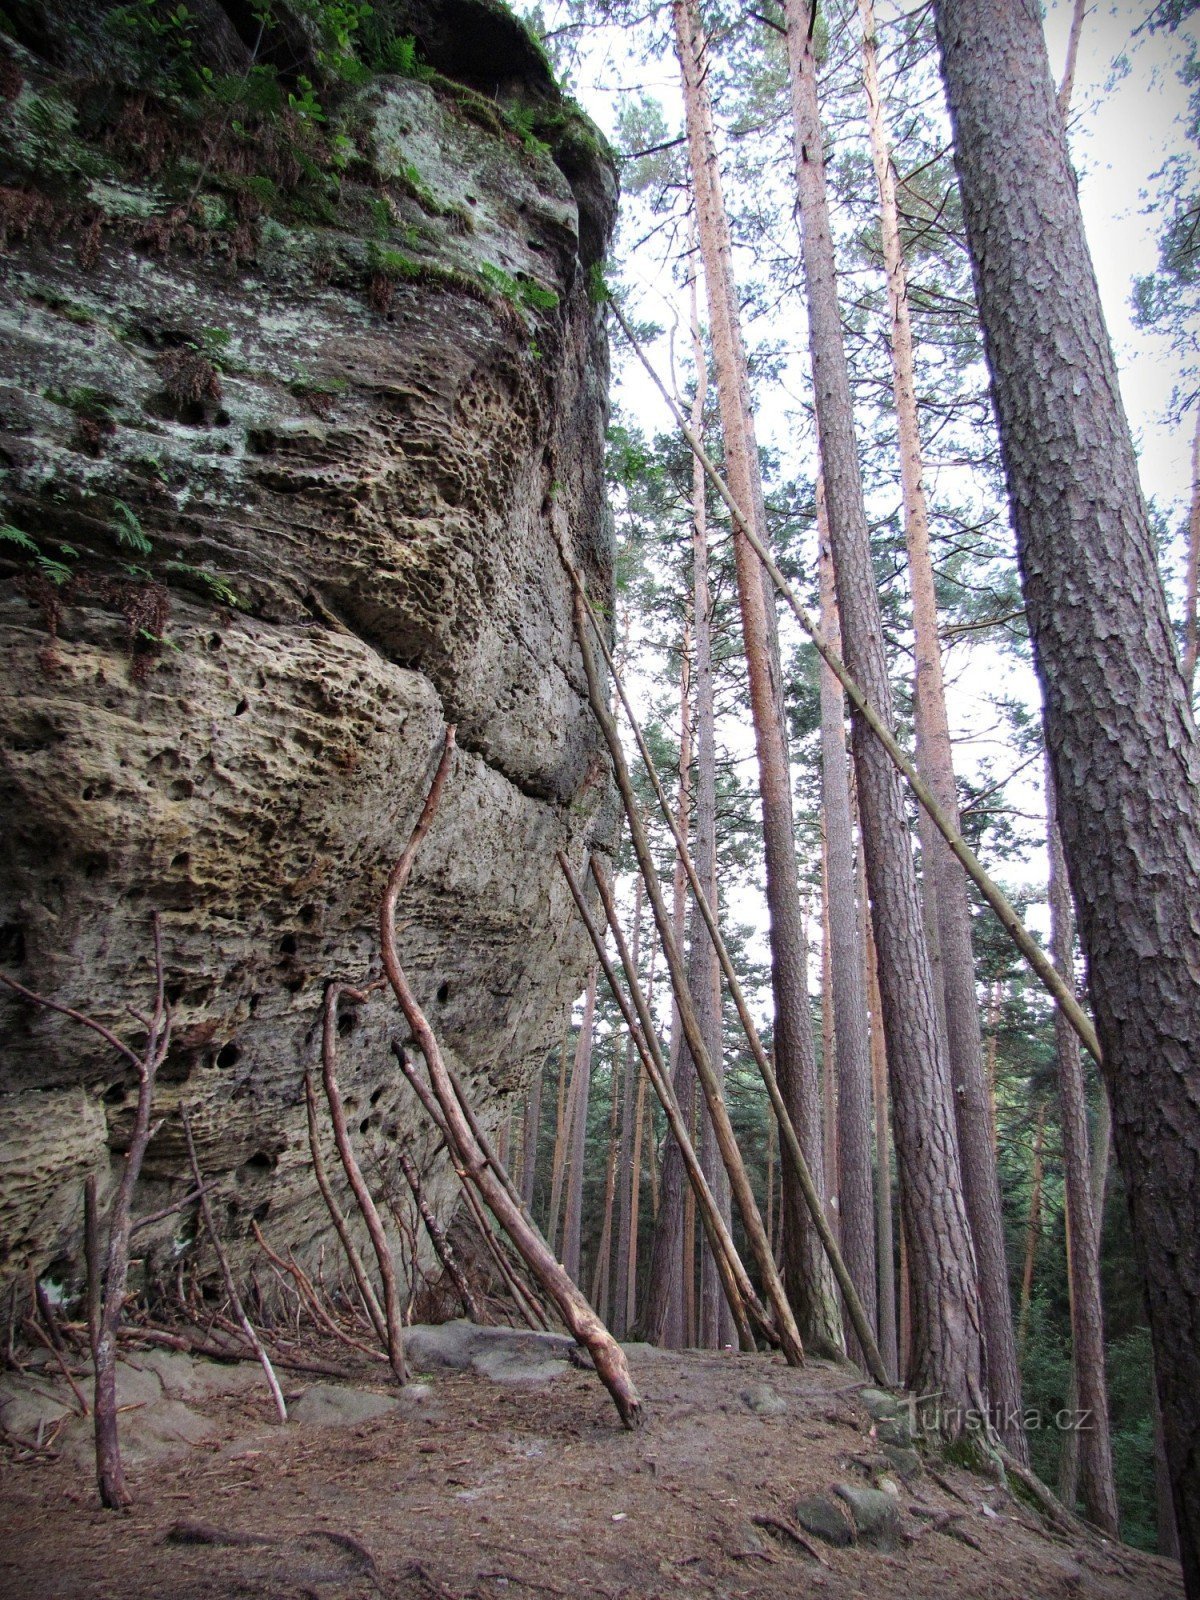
[287, 945]
[181, 860]
[260, 1161]
[174, 991]
[214, 641]
[228, 1055]
[347, 1023]
[115, 1096]
[182, 789]
[443, 993]
[12, 944]
[364, 1125]
[294, 985]
[241, 708]
[308, 915]
[375, 1094]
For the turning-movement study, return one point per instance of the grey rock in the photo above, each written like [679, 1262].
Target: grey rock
[879, 1403]
[894, 1431]
[876, 1517]
[761, 1398]
[825, 1519]
[328, 1405]
[26, 1405]
[186, 1377]
[506, 1355]
[149, 1434]
[382, 491]
[905, 1460]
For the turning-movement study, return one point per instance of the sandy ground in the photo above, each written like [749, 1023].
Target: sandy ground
[470, 1488]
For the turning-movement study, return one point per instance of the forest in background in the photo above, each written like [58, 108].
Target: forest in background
[581, 1186]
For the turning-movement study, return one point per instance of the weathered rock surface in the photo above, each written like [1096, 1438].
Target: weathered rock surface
[506, 1355]
[318, 434]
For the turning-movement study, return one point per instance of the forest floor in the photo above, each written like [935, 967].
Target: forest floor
[470, 1488]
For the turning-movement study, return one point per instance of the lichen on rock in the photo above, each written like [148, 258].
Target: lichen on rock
[291, 417]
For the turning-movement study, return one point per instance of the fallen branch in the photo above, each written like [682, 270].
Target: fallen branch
[309, 1295]
[739, 1292]
[235, 1302]
[528, 1308]
[812, 1199]
[362, 1281]
[358, 1185]
[56, 1352]
[581, 1321]
[731, 1156]
[442, 1247]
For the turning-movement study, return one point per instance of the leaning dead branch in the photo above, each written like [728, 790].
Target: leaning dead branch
[808, 1188]
[1036, 957]
[739, 1292]
[235, 1300]
[527, 1306]
[106, 1293]
[437, 1238]
[383, 1252]
[739, 1182]
[581, 1321]
[362, 1281]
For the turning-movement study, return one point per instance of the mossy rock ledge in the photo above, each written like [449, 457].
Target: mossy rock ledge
[300, 381]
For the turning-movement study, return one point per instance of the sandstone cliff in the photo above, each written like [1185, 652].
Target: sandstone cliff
[300, 371]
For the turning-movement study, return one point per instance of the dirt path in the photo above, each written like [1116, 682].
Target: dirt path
[473, 1488]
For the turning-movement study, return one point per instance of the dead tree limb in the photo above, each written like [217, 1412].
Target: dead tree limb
[854, 1306]
[383, 1252]
[357, 1268]
[106, 1296]
[437, 1238]
[1034, 955]
[529, 1309]
[731, 1156]
[308, 1294]
[235, 1300]
[580, 1319]
[739, 1291]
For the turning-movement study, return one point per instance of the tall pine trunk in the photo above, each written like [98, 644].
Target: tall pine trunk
[851, 1026]
[809, 1282]
[627, 1167]
[1092, 1444]
[1119, 727]
[663, 1320]
[577, 1138]
[947, 1335]
[704, 968]
[944, 875]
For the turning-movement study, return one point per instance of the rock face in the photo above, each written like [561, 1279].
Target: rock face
[301, 379]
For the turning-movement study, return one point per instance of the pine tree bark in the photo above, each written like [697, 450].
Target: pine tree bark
[581, 1084]
[1192, 580]
[946, 1317]
[716, 1327]
[1033, 1229]
[662, 1321]
[627, 1168]
[943, 875]
[1092, 1444]
[807, 1277]
[1118, 720]
[851, 1036]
